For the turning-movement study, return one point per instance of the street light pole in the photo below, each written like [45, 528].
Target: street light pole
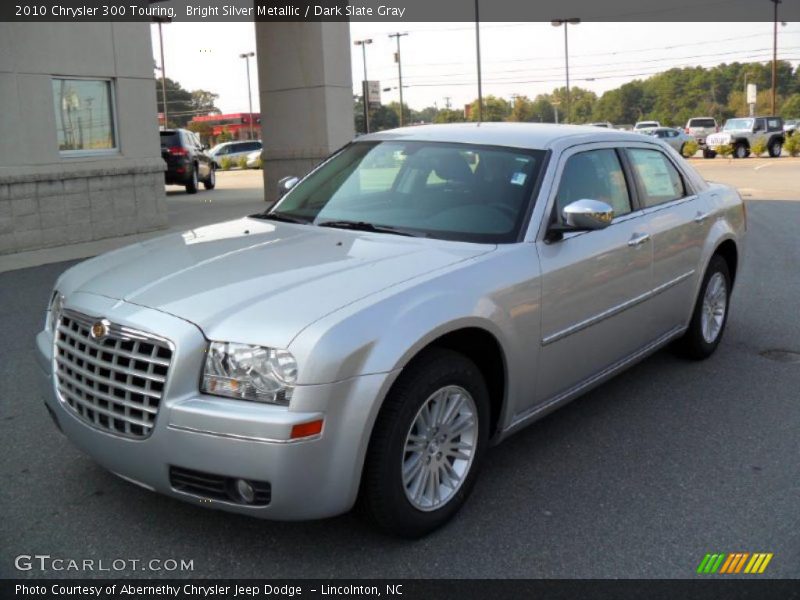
[161, 20]
[246, 56]
[478, 57]
[566, 23]
[365, 85]
[397, 36]
[774, 54]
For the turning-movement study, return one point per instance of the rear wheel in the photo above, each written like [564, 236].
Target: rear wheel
[191, 187]
[710, 312]
[709, 153]
[775, 148]
[427, 444]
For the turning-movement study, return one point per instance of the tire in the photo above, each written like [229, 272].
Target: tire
[699, 343]
[211, 181]
[741, 151]
[775, 148]
[683, 147]
[437, 376]
[191, 187]
[709, 153]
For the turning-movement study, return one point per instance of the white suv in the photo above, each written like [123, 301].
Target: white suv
[701, 127]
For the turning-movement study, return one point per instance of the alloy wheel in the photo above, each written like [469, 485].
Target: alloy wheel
[440, 447]
[715, 304]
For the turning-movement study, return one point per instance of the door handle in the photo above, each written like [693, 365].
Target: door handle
[700, 217]
[638, 239]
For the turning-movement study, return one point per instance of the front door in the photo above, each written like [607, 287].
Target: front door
[595, 284]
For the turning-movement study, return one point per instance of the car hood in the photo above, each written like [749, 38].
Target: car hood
[246, 279]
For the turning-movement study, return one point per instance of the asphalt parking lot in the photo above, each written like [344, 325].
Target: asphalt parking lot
[639, 478]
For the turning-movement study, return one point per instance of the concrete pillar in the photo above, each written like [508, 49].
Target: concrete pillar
[306, 94]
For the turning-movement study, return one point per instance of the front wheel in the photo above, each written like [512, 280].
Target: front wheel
[211, 180]
[709, 153]
[191, 187]
[741, 151]
[427, 444]
[710, 312]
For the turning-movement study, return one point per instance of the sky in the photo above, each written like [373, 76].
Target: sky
[439, 64]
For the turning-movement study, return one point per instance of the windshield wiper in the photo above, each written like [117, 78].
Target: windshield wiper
[279, 216]
[364, 226]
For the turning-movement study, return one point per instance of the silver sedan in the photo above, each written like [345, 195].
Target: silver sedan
[421, 295]
[671, 136]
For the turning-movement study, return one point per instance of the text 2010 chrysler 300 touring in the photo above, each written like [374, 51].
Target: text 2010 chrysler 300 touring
[423, 293]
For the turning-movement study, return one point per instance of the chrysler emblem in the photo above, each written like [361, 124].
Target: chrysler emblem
[99, 329]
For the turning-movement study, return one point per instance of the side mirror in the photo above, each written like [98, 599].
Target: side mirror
[583, 215]
[285, 184]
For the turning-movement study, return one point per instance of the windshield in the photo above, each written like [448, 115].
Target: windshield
[440, 190]
[707, 123]
[737, 124]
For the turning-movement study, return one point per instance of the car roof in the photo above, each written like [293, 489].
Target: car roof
[539, 136]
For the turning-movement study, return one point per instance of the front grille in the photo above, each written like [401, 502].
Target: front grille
[114, 383]
[217, 487]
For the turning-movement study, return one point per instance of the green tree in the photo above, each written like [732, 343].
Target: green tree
[380, 118]
[182, 104]
[448, 115]
[581, 104]
[791, 107]
[494, 109]
[522, 110]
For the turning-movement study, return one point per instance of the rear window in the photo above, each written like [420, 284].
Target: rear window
[702, 123]
[170, 138]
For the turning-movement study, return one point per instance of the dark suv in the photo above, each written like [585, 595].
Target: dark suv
[187, 160]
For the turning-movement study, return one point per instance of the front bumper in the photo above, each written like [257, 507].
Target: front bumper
[310, 478]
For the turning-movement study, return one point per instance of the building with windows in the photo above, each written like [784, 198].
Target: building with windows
[238, 125]
[79, 149]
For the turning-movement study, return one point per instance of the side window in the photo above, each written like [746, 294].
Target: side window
[773, 124]
[594, 175]
[660, 180]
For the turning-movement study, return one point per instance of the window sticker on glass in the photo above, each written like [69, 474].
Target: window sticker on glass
[518, 178]
[655, 176]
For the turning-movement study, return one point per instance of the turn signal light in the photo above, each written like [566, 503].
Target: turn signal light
[307, 429]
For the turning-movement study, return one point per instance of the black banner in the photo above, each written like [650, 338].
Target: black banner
[400, 11]
[402, 589]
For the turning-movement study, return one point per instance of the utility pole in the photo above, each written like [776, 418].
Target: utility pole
[566, 23]
[246, 56]
[774, 54]
[397, 36]
[447, 102]
[365, 85]
[478, 54]
[161, 20]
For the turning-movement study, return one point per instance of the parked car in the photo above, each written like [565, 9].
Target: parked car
[395, 314]
[671, 136]
[790, 126]
[605, 124]
[641, 125]
[188, 163]
[254, 160]
[742, 133]
[233, 150]
[701, 127]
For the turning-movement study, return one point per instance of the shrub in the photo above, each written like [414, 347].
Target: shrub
[725, 150]
[690, 149]
[242, 162]
[225, 163]
[758, 148]
[792, 145]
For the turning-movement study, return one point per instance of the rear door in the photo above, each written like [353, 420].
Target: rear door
[594, 283]
[678, 219]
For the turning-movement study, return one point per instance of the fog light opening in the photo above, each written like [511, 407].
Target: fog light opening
[245, 491]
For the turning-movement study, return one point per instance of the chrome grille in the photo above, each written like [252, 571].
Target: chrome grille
[114, 383]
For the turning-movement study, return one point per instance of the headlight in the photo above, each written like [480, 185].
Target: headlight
[249, 372]
[54, 311]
